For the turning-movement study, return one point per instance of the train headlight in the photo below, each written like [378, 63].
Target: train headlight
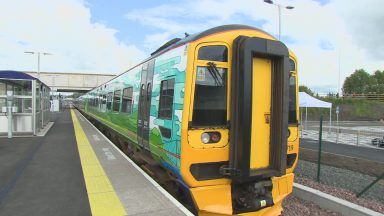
[205, 138]
[210, 137]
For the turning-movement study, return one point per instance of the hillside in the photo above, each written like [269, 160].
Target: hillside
[350, 110]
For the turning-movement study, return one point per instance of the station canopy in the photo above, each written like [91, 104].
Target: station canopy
[9, 74]
[307, 100]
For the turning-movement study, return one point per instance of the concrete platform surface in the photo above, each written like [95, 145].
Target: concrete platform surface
[75, 170]
[42, 175]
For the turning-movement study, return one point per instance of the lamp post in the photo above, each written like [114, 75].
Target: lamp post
[38, 60]
[279, 6]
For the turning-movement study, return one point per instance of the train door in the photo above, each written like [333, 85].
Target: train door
[261, 111]
[145, 104]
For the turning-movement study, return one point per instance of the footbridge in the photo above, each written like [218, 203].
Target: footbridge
[72, 82]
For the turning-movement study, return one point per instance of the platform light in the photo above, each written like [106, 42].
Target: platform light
[38, 60]
[279, 6]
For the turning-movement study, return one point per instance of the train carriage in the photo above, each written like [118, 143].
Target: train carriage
[212, 116]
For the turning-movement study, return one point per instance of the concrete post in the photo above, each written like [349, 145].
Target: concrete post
[34, 107]
[337, 135]
[9, 112]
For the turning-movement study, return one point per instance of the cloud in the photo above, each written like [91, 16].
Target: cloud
[319, 32]
[63, 28]
[364, 21]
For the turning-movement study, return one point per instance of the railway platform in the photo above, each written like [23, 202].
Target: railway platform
[75, 170]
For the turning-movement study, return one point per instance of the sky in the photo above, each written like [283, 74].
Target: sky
[99, 36]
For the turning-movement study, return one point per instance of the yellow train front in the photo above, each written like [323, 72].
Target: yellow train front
[239, 134]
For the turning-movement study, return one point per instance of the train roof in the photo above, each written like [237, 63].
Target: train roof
[189, 38]
[176, 42]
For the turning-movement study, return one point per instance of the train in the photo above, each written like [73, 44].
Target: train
[213, 117]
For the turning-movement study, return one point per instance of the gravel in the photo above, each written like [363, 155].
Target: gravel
[293, 206]
[342, 183]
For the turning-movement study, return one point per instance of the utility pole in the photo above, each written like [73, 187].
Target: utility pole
[338, 87]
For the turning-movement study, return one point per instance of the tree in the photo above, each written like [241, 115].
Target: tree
[360, 82]
[305, 89]
[379, 76]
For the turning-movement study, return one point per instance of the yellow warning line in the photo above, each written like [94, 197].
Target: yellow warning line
[102, 197]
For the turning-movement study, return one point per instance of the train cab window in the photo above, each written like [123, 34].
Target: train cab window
[116, 101]
[210, 103]
[292, 65]
[127, 100]
[109, 101]
[292, 115]
[166, 98]
[213, 53]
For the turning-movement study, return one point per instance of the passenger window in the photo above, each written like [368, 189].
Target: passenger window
[97, 100]
[109, 100]
[3, 88]
[104, 99]
[166, 98]
[213, 53]
[3, 102]
[210, 103]
[165, 132]
[127, 100]
[116, 101]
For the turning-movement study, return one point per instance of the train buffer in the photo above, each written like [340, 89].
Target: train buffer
[75, 170]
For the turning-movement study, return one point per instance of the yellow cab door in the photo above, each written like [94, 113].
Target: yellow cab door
[261, 111]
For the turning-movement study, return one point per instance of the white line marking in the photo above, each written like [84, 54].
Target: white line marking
[109, 154]
[311, 141]
[154, 183]
[95, 137]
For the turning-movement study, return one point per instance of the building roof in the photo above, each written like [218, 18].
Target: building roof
[9, 74]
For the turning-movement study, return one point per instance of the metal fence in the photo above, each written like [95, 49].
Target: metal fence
[362, 136]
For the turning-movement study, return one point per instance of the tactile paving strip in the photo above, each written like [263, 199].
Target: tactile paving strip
[102, 197]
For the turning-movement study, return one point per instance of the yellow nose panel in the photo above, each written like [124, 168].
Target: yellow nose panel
[261, 109]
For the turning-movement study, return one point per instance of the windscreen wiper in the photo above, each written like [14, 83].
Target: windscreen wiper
[211, 71]
[215, 74]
